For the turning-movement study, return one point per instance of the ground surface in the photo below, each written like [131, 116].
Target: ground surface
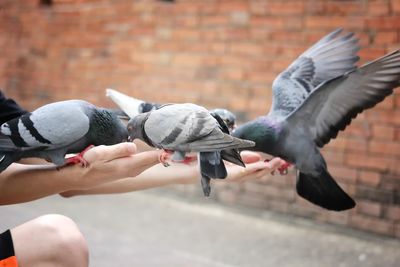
[152, 228]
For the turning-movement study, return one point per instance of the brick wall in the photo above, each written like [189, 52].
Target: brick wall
[218, 54]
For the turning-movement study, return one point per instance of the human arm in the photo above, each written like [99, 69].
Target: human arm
[159, 175]
[22, 183]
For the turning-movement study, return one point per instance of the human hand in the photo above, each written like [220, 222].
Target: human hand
[255, 169]
[109, 163]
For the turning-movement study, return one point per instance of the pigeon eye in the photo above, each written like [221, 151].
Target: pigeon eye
[130, 128]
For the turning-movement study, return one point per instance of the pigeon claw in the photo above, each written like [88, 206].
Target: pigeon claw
[188, 160]
[283, 170]
[164, 156]
[79, 159]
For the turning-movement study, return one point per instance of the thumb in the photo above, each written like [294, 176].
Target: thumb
[108, 153]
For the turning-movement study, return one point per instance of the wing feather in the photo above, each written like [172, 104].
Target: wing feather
[332, 106]
[333, 55]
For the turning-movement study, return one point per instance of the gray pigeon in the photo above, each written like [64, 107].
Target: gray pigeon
[132, 106]
[304, 118]
[184, 128]
[53, 130]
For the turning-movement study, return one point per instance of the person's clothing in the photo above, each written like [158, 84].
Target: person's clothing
[7, 254]
[9, 109]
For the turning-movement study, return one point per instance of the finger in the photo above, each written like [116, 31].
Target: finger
[250, 157]
[136, 164]
[108, 153]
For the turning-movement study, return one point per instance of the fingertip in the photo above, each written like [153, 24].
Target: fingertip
[131, 148]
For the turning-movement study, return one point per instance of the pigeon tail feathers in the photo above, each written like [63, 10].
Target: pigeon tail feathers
[323, 191]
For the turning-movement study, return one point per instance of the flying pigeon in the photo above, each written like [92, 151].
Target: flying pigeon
[184, 128]
[53, 130]
[316, 97]
[133, 106]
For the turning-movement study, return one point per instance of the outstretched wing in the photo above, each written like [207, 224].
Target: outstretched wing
[332, 56]
[332, 106]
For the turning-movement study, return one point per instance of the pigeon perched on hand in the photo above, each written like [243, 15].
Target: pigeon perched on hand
[133, 106]
[316, 97]
[53, 130]
[184, 128]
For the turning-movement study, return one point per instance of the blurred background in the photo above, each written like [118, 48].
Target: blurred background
[216, 53]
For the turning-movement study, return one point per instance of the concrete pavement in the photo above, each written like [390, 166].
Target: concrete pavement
[154, 228]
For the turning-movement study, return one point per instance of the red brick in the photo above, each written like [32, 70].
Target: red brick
[397, 230]
[248, 49]
[215, 20]
[378, 7]
[397, 133]
[231, 6]
[343, 174]
[388, 37]
[383, 132]
[383, 23]
[356, 145]
[285, 7]
[382, 147]
[367, 161]
[370, 178]
[395, 6]
[268, 22]
[323, 22]
[369, 208]
[393, 213]
[384, 116]
[372, 224]
[358, 128]
[335, 8]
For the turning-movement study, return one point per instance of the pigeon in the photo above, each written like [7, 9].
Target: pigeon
[185, 128]
[132, 106]
[53, 130]
[315, 98]
[227, 116]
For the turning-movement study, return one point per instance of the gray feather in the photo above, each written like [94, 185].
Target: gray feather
[333, 55]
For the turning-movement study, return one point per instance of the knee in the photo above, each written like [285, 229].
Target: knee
[68, 243]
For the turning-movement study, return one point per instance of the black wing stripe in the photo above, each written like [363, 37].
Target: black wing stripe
[32, 130]
[15, 136]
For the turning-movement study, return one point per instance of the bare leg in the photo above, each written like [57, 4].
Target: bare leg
[50, 240]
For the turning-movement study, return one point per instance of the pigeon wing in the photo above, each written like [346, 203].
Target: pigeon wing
[55, 125]
[332, 56]
[128, 104]
[178, 124]
[332, 106]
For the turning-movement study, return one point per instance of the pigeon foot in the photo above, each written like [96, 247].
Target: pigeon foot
[164, 156]
[78, 159]
[283, 170]
[187, 160]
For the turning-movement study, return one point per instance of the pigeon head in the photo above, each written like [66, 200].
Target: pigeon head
[136, 127]
[262, 131]
[228, 117]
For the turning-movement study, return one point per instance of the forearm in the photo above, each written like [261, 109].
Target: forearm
[153, 177]
[22, 183]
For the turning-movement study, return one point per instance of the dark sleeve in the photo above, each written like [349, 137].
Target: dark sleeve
[9, 109]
